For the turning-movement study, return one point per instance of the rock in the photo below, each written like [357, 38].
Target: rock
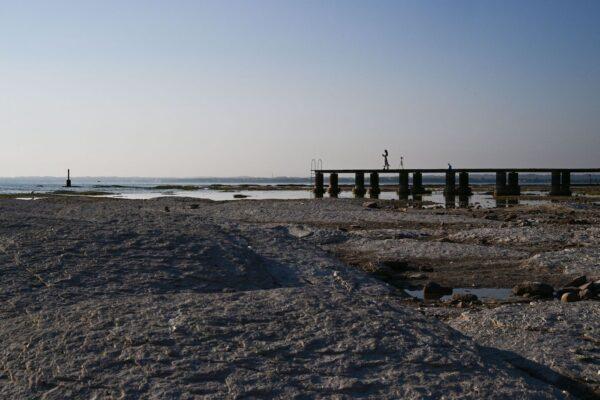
[417, 276]
[464, 298]
[194, 206]
[580, 280]
[569, 297]
[370, 204]
[568, 289]
[167, 209]
[433, 291]
[240, 196]
[586, 294]
[533, 289]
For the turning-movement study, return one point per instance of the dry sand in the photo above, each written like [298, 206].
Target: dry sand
[180, 298]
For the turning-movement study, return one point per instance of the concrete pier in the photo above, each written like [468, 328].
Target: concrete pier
[68, 184]
[318, 190]
[500, 189]
[463, 184]
[555, 184]
[403, 188]
[565, 183]
[359, 185]
[334, 188]
[513, 184]
[450, 188]
[374, 189]
[417, 185]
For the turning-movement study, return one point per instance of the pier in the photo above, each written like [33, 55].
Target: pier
[507, 180]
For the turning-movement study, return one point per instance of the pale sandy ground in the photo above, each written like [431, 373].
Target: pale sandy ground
[104, 298]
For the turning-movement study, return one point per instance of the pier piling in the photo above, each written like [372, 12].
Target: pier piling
[318, 189]
[403, 188]
[68, 178]
[565, 183]
[463, 184]
[450, 189]
[513, 184]
[334, 189]
[374, 185]
[500, 189]
[359, 185]
[417, 186]
[555, 187]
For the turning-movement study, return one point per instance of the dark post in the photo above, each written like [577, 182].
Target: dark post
[565, 183]
[403, 188]
[513, 184]
[68, 178]
[374, 185]
[359, 185]
[318, 189]
[334, 188]
[463, 184]
[500, 189]
[450, 188]
[555, 189]
[417, 186]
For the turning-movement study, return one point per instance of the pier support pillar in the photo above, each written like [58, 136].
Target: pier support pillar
[417, 186]
[68, 178]
[359, 185]
[318, 190]
[513, 184]
[334, 188]
[403, 188]
[450, 189]
[565, 183]
[463, 184]
[374, 185]
[500, 189]
[555, 184]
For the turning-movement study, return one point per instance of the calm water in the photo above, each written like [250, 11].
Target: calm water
[147, 188]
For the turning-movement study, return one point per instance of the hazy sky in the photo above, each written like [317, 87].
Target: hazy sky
[228, 88]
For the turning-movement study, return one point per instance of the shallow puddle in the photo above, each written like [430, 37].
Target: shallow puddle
[482, 293]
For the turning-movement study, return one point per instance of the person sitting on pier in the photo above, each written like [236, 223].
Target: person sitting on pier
[386, 164]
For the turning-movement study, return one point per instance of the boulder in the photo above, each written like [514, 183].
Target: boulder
[586, 294]
[464, 298]
[370, 204]
[569, 297]
[434, 291]
[534, 290]
[580, 280]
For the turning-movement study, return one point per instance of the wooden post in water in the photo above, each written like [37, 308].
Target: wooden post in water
[513, 184]
[450, 189]
[463, 184]
[359, 185]
[417, 186]
[500, 189]
[318, 189]
[334, 188]
[68, 178]
[374, 185]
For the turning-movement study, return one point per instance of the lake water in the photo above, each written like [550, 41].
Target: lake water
[482, 293]
[148, 188]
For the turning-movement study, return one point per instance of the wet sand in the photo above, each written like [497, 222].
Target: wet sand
[183, 298]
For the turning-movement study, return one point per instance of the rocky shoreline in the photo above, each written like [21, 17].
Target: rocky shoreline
[185, 298]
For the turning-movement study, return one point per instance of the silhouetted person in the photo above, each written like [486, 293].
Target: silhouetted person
[386, 164]
[449, 167]
[402, 162]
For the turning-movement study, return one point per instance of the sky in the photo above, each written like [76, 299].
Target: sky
[259, 88]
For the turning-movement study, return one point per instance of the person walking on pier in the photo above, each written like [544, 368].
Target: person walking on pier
[386, 164]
